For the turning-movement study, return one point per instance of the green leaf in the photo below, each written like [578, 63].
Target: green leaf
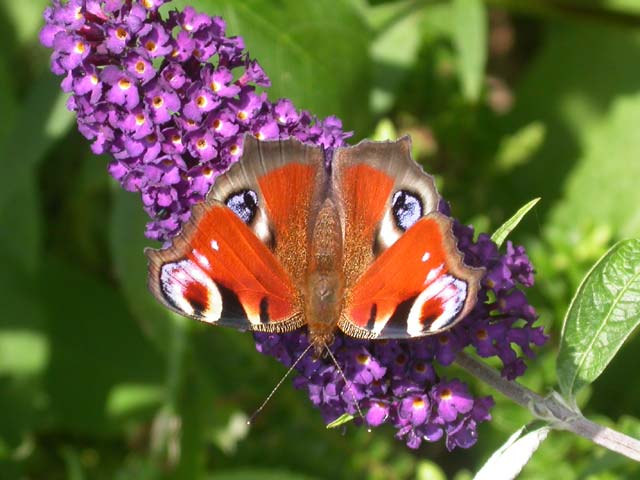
[341, 420]
[127, 398]
[429, 470]
[92, 336]
[315, 53]
[507, 462]
[501, 234]
[470, 39]
[517, 149]
[395, 48]
[43, 118]
[26, 18]
[589, 158]
[602, 314]
[127, 243]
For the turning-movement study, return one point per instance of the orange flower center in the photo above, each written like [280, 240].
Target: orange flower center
[201, 101]
[363, 358]
[124, 84]
[150, 46]
[482, 334]
[446, 394]
[79, 47]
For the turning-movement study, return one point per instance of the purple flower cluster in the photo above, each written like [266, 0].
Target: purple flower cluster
[396, 382]
[169, 99]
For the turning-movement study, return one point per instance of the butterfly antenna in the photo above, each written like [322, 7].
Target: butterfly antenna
[347, 383]
[284, 377]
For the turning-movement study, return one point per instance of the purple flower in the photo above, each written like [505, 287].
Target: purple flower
[451, 398]
[143, 89]
[377, 413]
[144, 92]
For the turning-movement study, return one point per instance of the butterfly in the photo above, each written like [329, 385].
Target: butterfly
[286, 239]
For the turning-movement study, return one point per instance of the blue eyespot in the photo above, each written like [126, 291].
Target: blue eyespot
[406, 208]
[244, 204]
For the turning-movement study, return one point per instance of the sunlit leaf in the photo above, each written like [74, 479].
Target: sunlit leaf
[127, 398]
[501, 234]
[518, 148]
[602, 314]
[429, 470]
[395, 48]
[470, 39]
[341, 420]
[507, 462]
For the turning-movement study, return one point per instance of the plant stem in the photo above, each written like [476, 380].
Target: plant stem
[552, 409]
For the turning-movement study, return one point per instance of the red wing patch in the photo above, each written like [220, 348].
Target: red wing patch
[418, 286]
[218, 271]
[364, 191]
[288, 192]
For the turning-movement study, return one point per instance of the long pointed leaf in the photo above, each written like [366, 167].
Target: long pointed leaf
[603, 313]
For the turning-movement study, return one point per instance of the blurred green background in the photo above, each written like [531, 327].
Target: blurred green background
[505, 100]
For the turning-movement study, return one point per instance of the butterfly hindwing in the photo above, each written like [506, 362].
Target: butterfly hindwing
[416, 287]
[219, 272]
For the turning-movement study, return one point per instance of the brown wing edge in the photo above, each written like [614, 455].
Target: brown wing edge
[456, 266]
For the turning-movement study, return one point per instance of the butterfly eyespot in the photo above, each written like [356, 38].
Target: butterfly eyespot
[244, 204]
[407, 209]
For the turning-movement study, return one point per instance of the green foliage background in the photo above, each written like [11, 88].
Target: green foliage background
[506, 101]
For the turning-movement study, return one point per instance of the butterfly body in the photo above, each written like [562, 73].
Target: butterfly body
[324, 283]
[284, 241]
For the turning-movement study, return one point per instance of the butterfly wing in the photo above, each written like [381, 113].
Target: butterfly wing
[404, 274]
[232, 264]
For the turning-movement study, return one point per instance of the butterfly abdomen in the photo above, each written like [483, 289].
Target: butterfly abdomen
[325, 281]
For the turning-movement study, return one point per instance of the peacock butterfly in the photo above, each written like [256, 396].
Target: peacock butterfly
[286, 240]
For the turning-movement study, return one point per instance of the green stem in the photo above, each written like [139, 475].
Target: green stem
[552, 409]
